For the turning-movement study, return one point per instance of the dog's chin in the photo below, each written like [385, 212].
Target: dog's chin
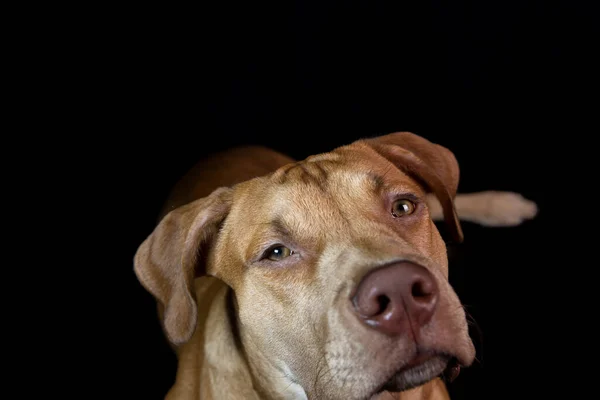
[418, 372]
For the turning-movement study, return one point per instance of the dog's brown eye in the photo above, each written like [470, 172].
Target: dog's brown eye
[278, 253]
[402, 207]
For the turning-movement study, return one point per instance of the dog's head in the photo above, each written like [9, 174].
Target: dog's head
[339, 275]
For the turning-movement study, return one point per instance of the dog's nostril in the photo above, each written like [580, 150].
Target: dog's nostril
[383, 301]
[422, 289]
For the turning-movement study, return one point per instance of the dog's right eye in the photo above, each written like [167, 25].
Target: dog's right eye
[278, 253]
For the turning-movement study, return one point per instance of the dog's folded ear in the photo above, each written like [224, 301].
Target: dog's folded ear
[431, 164]
[167, 261]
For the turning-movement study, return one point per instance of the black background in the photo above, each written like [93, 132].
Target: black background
[501, 84]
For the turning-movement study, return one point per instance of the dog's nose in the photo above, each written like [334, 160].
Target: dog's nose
[397, 297]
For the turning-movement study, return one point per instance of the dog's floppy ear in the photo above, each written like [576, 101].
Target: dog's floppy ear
[433, 165]
[166, 262]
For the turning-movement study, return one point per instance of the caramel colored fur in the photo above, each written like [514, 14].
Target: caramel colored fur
[248, 328]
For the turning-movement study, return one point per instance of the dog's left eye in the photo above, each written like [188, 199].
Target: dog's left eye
[278, 253]
[402, 207]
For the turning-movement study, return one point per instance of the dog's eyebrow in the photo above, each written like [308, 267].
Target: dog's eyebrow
[279, 227]
[377, 181]
[275, 229]
[276, 225]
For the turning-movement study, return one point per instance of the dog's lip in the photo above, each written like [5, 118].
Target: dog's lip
[427, 365]
[418, 360]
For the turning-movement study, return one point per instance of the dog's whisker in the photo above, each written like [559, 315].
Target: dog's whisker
[473, 323]
[287, 387]
[350, 370]
[324, 385]
[319, 370]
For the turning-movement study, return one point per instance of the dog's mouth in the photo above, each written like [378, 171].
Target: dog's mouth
[420, 370]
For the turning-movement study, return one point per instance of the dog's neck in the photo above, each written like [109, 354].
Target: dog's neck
[212, 352]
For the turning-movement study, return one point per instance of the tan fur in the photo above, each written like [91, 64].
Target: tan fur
[259, 329]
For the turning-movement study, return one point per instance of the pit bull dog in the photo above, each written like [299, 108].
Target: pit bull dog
[320, 279]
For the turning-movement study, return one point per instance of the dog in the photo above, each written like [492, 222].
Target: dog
[320, 279]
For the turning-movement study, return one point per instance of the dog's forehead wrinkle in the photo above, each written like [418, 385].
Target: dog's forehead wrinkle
[314, 171]
[330, 196]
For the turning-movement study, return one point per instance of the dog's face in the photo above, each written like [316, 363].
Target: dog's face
[339, 275]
